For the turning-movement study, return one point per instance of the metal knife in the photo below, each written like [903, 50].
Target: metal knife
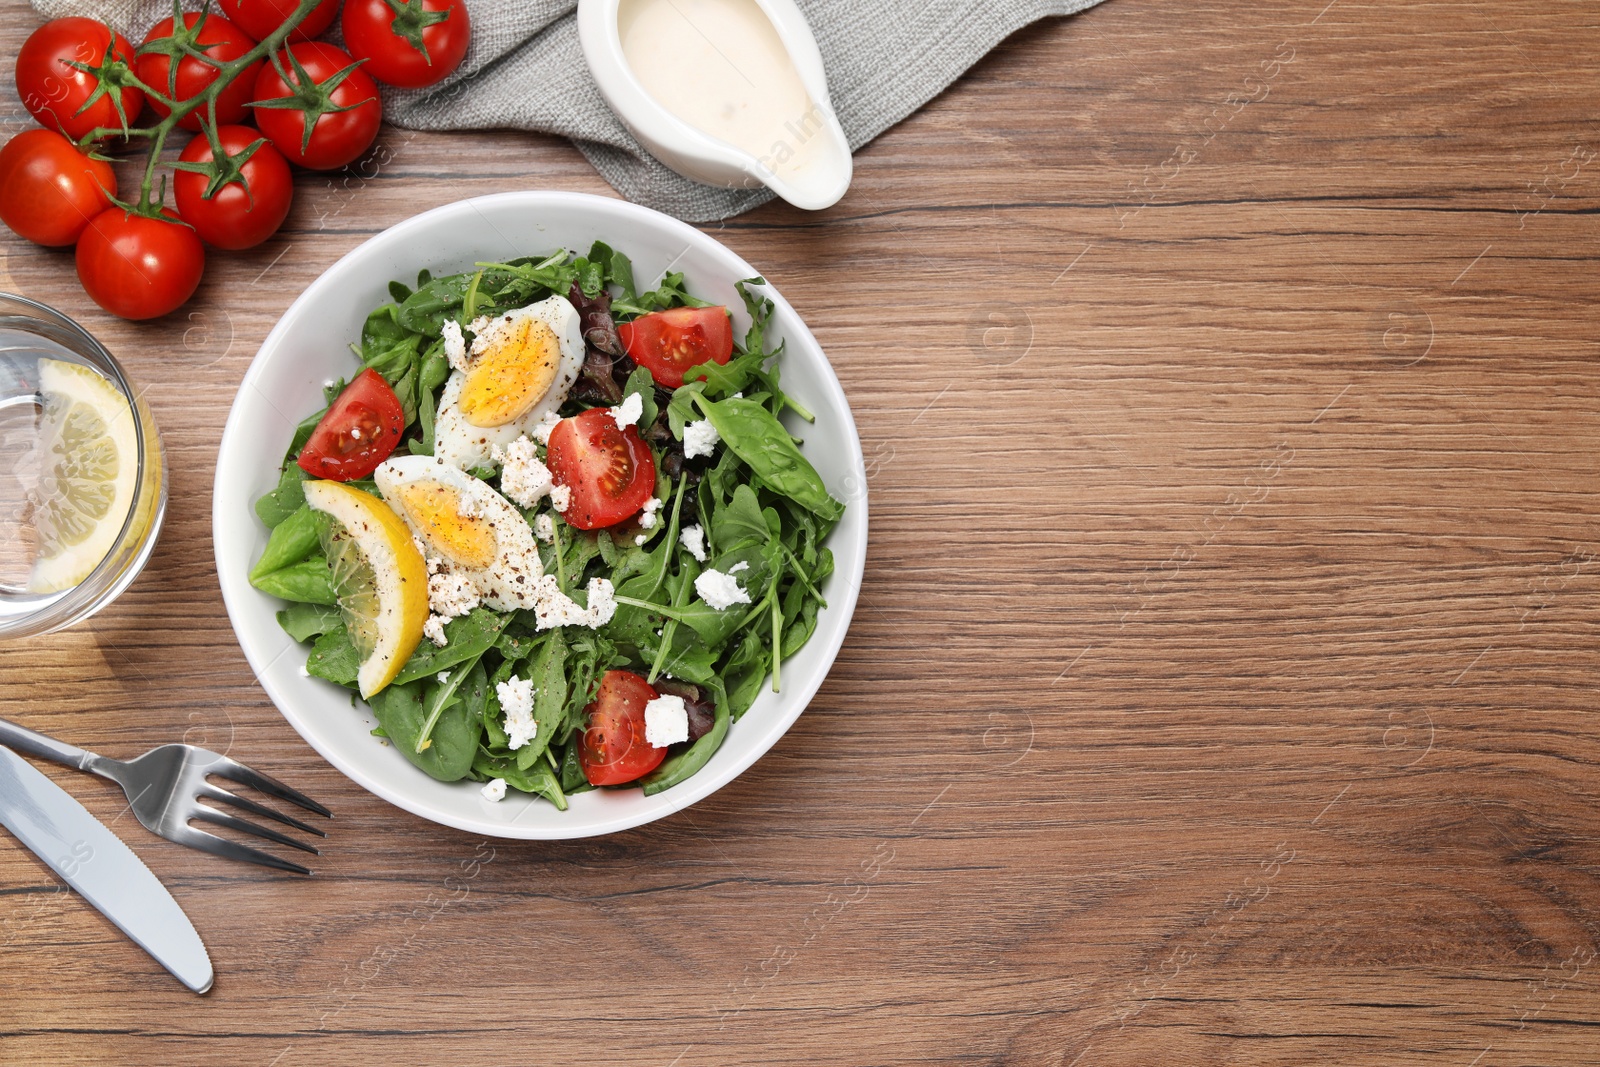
[95, 862]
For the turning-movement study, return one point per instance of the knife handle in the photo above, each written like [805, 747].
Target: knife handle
[24, 739]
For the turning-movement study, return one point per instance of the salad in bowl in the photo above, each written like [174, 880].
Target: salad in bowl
[553, 530]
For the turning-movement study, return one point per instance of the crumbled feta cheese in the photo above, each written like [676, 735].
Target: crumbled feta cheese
[718, 590]
[542, 428]
[444, 677]
[524, 480]
[554, 608]
[494, 790]
[641, 539]
[699, 438]
[560, 496]
[516, 700]
[627, 413]
[666, 721]
[647, 517]
[742, 565]
[739, 395]
[455, 346]
[451, 595]
[544, 527]
[694, 539]
[433, 630]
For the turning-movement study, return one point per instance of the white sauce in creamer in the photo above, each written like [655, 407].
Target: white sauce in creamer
[720, 66]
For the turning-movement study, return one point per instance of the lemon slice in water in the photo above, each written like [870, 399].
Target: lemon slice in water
[87, 477]
[378, 575]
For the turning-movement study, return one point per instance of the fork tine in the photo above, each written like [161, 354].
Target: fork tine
[221, 846]
[232, 822]
[212, 792]
[232, 769]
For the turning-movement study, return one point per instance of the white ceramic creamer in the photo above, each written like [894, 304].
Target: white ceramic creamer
[727, 92]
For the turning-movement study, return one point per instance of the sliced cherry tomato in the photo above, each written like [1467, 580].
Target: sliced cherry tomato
[241, 214]
[259, 18]
[613, 749]
[361, 428]
[667, 343]
[68, 100]
[139, 267]
[416, 43]
[221, 40]
[49, 191]
[337, 137]
[610, 472]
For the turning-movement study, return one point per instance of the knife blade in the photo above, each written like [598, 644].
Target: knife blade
[104, 870]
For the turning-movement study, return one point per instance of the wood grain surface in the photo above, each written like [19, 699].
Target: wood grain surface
[1221, 688]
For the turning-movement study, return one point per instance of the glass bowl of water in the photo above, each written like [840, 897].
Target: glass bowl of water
[83, 486]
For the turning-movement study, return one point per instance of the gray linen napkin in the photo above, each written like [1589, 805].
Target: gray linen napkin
[525, 70]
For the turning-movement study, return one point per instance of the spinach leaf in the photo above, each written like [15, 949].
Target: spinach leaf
[334, 657]
[286, 499]
[739, 522]
[400, 710]
[466, 637]
[305, 582]
[756, 436]
[292, 540]
[305, 621]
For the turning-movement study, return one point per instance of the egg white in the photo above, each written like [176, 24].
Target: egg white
[465, 446]
[512, 580]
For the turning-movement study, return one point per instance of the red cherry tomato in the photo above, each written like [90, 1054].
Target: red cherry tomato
[139, 267]
[222, 40]
[49, 191]
[55, 93]
[259, 18]
[667, 343]
[610, 472]
[613, 749]
[389, 40]
[241, 214]
[337, 137]
[361, 428]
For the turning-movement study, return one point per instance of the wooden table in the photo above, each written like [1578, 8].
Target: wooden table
[1221, 686]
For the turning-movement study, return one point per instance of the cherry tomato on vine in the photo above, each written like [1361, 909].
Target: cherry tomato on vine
[72, 101]
[613, 749]
[361, 428]
[242, 213]
[222, 41]
[409, 43]
[667, 343]
[611, 472]
[49, 191]
[139, 267]
[336, 137]
[259, 18]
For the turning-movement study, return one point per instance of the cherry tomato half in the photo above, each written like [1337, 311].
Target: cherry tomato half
[667, 343]
[337, 137]
[361, 428]
[49, 191]
[240, 215]
[139, 267]
[259, 18]
[55, 93]
[611, 472]
[613, 749]
[387, 39]
[222, 41]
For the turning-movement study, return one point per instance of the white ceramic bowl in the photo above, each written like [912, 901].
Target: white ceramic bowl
[310, 344]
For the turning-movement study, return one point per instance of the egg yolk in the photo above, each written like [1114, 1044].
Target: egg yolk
[464, 539]
[512, 375]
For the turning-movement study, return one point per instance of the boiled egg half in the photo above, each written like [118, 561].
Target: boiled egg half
[465, 523]
[520, 367]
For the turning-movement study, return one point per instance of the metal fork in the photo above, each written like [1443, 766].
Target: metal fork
[165, 787]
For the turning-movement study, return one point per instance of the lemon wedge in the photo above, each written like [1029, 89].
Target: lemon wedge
[89, 469]
[379, 577]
